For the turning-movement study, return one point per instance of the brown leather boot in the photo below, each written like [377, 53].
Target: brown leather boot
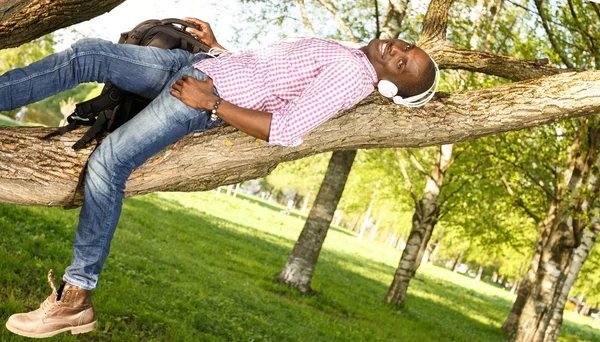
[70, 308]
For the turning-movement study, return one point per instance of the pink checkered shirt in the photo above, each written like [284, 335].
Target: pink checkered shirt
[301, 82]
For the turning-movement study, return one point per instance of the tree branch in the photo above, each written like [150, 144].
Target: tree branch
[555, 45]
[40, 173]
[449, 56]
[407, 181]
[305, 19]
[435, 22]
[518, 200]
[22, 21]
[417, 165]
[344, 27]
[392, 19]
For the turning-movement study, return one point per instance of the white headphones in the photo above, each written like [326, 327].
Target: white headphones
[390, 90]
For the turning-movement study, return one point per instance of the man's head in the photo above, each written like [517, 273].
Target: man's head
[407, 66]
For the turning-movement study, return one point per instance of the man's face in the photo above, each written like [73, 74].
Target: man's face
[398, 62]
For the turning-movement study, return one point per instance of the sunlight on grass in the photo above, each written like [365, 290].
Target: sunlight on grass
[197, 267]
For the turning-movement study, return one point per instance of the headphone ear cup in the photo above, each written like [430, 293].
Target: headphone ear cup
[398, 100]
[387, 88]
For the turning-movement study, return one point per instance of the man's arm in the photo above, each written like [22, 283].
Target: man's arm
[198, 94]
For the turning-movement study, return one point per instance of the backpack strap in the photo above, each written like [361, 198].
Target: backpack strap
[110, 97]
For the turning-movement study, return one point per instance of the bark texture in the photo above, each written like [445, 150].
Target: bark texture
[33, 172]
[24, 20]
[298, 270]
[577, 259]
[525, 288]
[423, 222]
[561, 234]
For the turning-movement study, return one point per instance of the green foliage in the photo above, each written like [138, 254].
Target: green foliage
[46, 112]
[195, 267]
[302, 175]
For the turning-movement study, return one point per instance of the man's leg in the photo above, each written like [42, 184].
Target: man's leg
[139, 69]
[162, 122]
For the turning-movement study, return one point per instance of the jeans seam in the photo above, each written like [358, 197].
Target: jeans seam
[112, 182]
[81, 54]
[76, 283]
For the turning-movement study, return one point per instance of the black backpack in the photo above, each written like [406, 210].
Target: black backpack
[114, 106]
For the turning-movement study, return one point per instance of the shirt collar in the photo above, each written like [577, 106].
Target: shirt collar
[371, 73]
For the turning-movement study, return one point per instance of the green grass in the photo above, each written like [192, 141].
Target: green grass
[4, 122]
[196, 267]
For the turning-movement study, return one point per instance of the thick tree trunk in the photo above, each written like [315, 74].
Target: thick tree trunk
[24, 20]
[539, 306]
[423, 222]
[577, 259]
[561, 233]
[41, 173]
[301, 263]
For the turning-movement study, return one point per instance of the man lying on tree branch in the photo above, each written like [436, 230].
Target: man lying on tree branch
[277, 94]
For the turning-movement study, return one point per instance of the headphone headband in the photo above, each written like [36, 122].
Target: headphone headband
[390, 90]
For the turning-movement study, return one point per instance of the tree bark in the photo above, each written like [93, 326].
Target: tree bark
[510, 324]
[392, 19]
[561, 234]
[33, 172]
[301, 263]
[577, 259]
[479, 273]
[457, 262]
[22, 21]
[423, 222]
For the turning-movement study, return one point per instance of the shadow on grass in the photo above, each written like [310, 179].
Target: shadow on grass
[176, 275]
[278, 208]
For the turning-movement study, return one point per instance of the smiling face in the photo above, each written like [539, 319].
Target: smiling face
[401, 63]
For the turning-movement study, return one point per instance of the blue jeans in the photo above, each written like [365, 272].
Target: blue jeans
[148, 72]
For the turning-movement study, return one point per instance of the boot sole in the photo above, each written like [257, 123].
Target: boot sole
[81, 329]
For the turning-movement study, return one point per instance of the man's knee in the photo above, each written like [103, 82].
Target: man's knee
[90, 45]
[105, 165]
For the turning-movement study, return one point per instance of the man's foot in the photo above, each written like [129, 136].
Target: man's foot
[68, 309]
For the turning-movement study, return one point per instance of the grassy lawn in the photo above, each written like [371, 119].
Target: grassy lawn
[196, 267]
[4, 122]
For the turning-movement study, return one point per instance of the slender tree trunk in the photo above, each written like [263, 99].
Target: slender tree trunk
[300, 265]
[515, 288]
[424, 220]
[435, 248]
[306, 199]
[577, 259]
[338, 219]
[457, 262]
[373, 234]
[524, 290]
[355, 224]
[366, 223]
[479, 273]
[424, 244]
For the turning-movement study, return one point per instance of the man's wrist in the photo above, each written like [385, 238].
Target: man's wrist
[213, 113]
[209, 102]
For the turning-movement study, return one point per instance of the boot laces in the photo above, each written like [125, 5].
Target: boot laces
[47, 306]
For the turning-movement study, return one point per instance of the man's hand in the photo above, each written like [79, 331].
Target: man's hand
[204, 33]
[199, 94]
[195, 93]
